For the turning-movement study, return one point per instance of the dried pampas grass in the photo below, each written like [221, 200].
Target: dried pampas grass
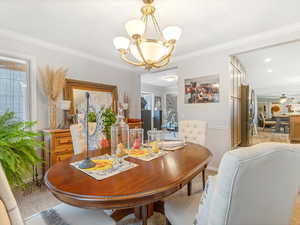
[52, 82]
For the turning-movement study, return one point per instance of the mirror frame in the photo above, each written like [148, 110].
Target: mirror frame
[89, 86]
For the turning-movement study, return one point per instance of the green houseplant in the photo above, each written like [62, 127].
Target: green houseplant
[108, 119]
[18, 148]
[92, 117]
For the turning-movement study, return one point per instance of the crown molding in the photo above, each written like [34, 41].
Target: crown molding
[51, 46]
[260, 40]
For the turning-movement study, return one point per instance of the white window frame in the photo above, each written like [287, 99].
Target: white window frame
[32, 80]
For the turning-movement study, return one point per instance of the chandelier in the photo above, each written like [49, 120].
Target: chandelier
[283, 98]
[146, 51]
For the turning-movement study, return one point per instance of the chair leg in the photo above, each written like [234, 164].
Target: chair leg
[168, 222]
[189, 188]
[203, 178]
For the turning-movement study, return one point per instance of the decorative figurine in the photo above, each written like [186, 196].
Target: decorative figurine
[137, 143]
[155, 147]
[121, 151]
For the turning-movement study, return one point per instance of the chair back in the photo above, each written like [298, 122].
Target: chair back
[257, 185]
[9, 200]
[194, 131]
[78, 138]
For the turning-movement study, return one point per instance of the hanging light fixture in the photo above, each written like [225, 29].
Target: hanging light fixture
[148, 52]
[283, 98]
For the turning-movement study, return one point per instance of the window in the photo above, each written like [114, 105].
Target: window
[14, 87]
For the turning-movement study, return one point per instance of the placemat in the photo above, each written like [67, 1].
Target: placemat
[149, 156]
[106, 167]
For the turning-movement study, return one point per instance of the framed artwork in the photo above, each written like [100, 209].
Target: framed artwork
[205, 89]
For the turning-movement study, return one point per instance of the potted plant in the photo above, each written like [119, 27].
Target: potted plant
[108, 119]
[18, 148]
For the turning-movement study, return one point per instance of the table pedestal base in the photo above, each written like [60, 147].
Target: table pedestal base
[142, 212]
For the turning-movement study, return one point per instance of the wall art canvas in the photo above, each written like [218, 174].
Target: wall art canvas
[205, 89]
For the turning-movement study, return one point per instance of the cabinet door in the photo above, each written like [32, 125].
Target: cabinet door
[292, 128]
[295, 128]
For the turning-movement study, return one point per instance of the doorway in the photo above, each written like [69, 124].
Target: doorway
[159, 100]
[272, 103]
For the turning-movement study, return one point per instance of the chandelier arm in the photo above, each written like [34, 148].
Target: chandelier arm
[143, 18]
[167, 56]
[146, 24]
[156, 25]
[156, 65]
[131, 62]
[140, 51]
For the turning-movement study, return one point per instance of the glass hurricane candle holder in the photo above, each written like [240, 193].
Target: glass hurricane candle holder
[119, 136]
[136, 138]
[155, 135]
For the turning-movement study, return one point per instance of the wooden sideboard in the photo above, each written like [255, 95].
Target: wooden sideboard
[58, 146]
[295, 128]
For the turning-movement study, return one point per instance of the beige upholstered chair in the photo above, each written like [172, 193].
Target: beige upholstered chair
[61, 214]
[257, 185]
[194, 131]
[78, 138]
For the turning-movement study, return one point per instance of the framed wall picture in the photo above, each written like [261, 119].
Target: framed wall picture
[204, 89]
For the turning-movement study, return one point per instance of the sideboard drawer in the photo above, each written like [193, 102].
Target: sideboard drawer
[58, 145]
[63, 157]
[65, 140]
[64, 148]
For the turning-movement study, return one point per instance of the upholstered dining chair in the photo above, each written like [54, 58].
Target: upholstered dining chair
[78, 138]
[256, 185]
[194, 131]
[61, 214]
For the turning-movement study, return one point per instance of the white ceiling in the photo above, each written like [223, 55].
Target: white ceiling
[156, 78]
[90, 25]
[285, 66]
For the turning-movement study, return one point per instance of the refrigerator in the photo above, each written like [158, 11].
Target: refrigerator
[248, 112]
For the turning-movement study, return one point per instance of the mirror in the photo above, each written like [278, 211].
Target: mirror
[95, 125]
[100, 95]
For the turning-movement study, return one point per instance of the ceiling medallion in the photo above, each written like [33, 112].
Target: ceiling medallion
[147, 52]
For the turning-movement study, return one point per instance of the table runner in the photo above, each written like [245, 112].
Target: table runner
[117, 168]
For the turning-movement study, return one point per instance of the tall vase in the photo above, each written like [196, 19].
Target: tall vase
[52, 114]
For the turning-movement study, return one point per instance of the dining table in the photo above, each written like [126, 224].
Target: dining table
[139, 190]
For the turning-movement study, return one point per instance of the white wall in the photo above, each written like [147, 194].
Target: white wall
[215, 60]
[80, 68]
[216, 114]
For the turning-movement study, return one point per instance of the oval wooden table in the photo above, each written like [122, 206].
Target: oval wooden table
[139, 190]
